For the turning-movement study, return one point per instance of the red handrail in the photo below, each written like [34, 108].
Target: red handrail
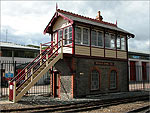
[28, 65]
[35, 64]
[47, 43]
[40, 65]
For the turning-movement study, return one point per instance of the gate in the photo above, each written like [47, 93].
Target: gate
[139, 77]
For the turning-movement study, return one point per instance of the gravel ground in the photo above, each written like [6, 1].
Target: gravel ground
[36, 101]
[121, 108]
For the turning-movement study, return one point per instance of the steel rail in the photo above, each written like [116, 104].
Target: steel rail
[81, 106]
[140, 109]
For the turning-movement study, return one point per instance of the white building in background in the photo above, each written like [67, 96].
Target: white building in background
[139, 66]
[11, 52]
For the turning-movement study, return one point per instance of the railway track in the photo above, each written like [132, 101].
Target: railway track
[80, 106]
[145, 109]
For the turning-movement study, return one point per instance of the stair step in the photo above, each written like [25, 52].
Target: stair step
[17, 92]
[20, 88]
[36, 76]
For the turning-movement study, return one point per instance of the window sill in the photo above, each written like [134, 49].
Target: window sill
[112, 88]
[97, 47]
[111, 49]
[91, 90]
[121, 50]
[83, 45]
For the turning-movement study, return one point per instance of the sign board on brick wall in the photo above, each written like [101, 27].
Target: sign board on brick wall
[104, 63]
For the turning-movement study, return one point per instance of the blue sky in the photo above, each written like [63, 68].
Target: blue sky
[26, 20]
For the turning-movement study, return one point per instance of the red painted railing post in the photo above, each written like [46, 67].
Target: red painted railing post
[31, 74]
[26, 76]
[11, 86]
[46, 59]
[40, 54]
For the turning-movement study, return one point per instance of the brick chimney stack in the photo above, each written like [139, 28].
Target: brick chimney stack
[99, 17]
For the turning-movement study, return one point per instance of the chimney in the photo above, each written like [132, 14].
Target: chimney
[99, 17]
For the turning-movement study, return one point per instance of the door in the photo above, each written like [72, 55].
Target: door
[56, 84]
[144, 77]
[132, 71]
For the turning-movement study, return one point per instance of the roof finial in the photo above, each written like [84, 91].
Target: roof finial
[116, 22]
[56, 6]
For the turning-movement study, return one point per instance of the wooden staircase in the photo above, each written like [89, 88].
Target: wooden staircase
[35, 70]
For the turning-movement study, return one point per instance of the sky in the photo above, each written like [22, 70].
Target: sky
[25, 21]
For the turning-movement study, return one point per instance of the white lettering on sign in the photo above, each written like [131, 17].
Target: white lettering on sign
[11, 87]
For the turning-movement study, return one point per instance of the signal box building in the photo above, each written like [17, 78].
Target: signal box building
[95, 55]
[86, 56]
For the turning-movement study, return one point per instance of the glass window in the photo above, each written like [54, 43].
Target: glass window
[94, 80]
[112, 42]
[93, 38]
[78, 35]
[113, 79]
[100, 39]
[6, 53]
[118, 42]
[85, 36]
[70, 35]
[60, 35]
[123, 43]
[65, 35]
[107, 40]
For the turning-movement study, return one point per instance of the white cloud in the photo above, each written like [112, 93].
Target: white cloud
[29, 18]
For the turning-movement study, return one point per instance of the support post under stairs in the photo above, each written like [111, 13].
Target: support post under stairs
[62, 49]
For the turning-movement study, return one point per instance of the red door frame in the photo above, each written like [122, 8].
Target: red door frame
[56, 84]
[132, 71]
[144, 75]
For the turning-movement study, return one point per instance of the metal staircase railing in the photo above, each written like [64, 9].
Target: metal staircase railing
[21, 83]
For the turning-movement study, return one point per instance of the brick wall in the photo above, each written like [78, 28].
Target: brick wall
[82, 70]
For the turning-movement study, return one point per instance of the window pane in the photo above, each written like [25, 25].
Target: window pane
[123, 43]
[118, 42]
[78, 35]
[70, 35]
[113, 79]
[112, 42]
[107, 40]
[60, 32]
[85, 36]
[94, 80]
[66, 35]
[93, 39]
[6, 53]
[100, 39]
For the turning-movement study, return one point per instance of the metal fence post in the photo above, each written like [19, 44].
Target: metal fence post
[1, 75]
[143, 84]
[15, 68]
